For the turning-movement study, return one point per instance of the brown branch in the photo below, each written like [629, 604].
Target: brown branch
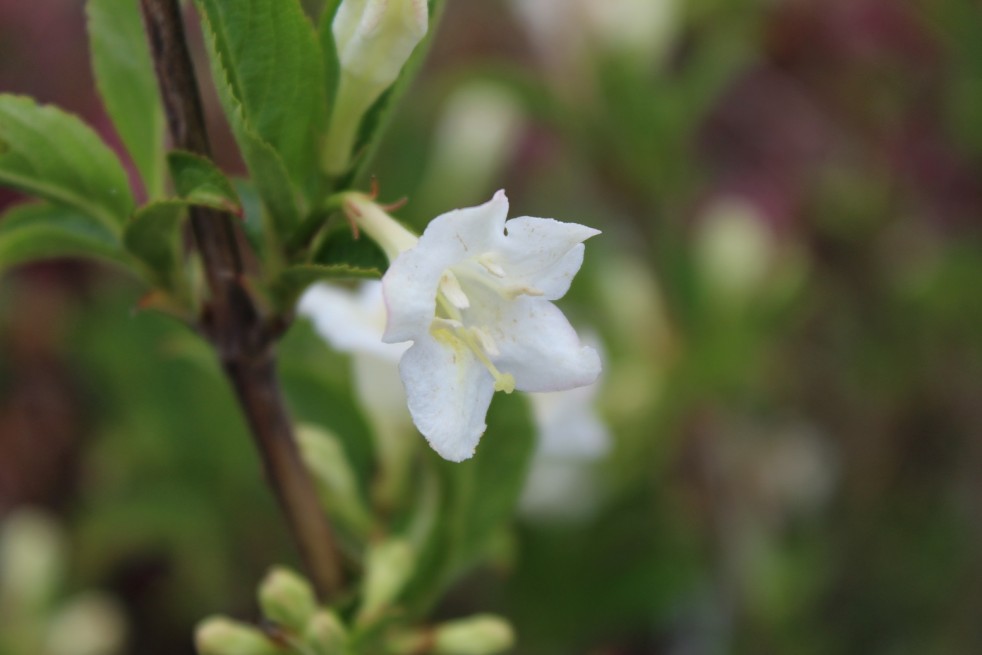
[243, 339]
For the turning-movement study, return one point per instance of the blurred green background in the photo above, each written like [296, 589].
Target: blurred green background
[788, 292]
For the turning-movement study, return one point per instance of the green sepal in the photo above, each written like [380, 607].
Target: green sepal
[49, 153]
[34, 231]
[127, 84]
[198, 181]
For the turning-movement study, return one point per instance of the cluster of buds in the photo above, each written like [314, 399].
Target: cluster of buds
[296, 624]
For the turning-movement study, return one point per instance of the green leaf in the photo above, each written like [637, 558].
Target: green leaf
[49, 153]
[269, 172]
[272, 62]
[293, 281]
[42, 231]
[476, 498]
[125, 77]
[200, 182]
[154, 237]
[332, 67]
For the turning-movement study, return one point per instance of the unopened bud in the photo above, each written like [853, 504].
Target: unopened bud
[89, 625]
[735, 248]
[374, 39]
[31, 559]
[222, 636]
[287, 599]
[388, 567]
[326, 634]
[337, 485]
[481, 634]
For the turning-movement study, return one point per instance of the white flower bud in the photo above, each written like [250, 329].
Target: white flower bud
[223, 636]
[287, 599]
[481, 634]
[374, 39]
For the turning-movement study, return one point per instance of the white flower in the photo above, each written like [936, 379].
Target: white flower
[474, 296]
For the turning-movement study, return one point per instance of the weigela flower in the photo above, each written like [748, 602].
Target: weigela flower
[474, 296]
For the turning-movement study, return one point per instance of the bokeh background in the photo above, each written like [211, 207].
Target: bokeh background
[788, 292]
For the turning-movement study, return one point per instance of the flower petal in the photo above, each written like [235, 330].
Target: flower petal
[543, 253]
[351, 321]
[537, 345]
[411, 282]
[449, 392]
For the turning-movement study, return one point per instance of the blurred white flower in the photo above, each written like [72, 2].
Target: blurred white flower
[352, 321]
[474, 296]
[476, 136]
[91, 624]
[571, 438]
[735, 249]
[565, 32]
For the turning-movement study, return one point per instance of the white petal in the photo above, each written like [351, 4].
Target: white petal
[350, 320]
[538, 345]
[543, 253]
[568, 424]
[449, 392]
[411, 282]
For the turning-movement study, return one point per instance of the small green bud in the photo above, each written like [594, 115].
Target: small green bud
[481, 634]
[388, 567]
[287, 599]
[223, 636]
[337, 485]
[326, 634]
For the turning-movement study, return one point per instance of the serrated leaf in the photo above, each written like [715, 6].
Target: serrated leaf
[272, 62]
[51, 154]
[341, 248]
[153, 236]
[124, 74]
[200, 182]
[36, 231]
[269, 172]
[293, 281]
[476, 498]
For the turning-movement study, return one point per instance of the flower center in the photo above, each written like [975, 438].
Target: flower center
[450, 326]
